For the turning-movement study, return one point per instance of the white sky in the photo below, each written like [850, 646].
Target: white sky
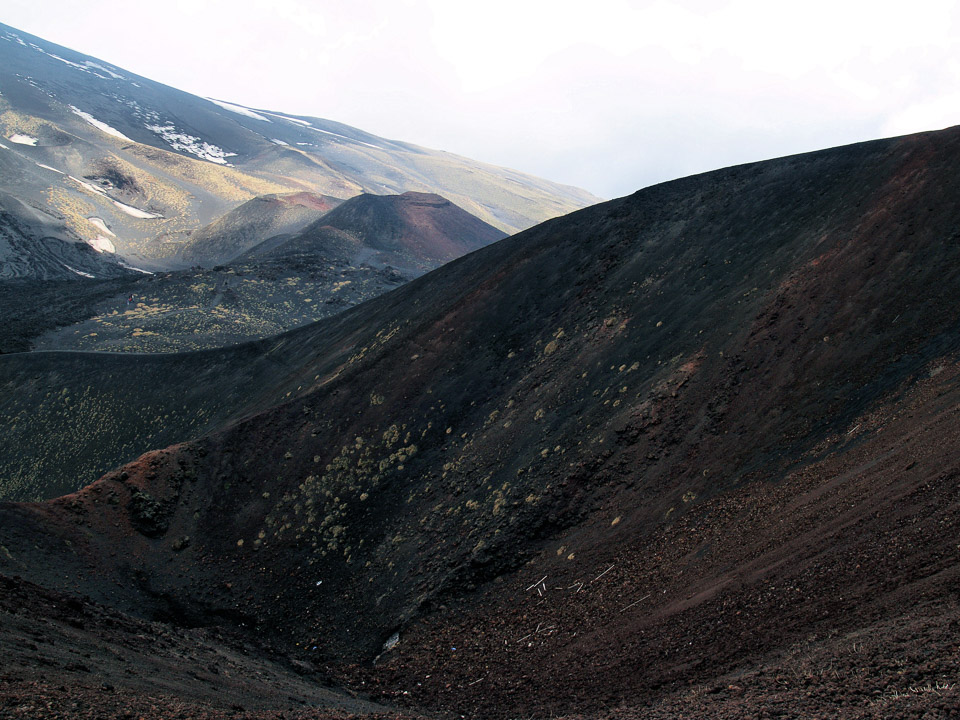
[609, 95]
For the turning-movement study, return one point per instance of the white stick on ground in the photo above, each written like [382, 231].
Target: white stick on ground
[536, 583]
[602, 574]
[634, 603]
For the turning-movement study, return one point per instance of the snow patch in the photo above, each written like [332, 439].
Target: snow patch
[239, 110]
[290, 119]
[100, 225]
[86, 275]
[68, 62]
[21, 139]
[327, 132]
[278, 142]
[88, 186]
[136, 212]
[87, 66]
[108, 71]
[128, 209]
[102, 126]
[102, 244]
[189, 143]
[304, 123]
[8, 36]
[121, 263]
[47, 167]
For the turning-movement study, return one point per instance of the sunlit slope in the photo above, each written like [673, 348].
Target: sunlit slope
[134, 168]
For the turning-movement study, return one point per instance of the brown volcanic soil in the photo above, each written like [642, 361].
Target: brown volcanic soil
[691, 453]
[254, 221]
[834, 590]
[414, 230]
[67, 657]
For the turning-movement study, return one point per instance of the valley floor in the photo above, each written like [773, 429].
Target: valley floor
[67, 659]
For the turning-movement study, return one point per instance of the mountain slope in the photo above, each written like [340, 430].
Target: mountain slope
[32, 245]
[419, 231]
[699, 437]
[280, 283]
[143, 166]
[253, 222]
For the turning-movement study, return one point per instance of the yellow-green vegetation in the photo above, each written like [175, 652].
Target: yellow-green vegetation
[292, 167]
[155, 191]
[59, 435]
[14, 122]
[380, 339]
[316, 512]
[225, 182]
[74, 208]
[207, 309]
[552, 346]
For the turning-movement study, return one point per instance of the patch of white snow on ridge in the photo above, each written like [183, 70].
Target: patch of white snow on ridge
[136, 212]
[239, 110]
[102, 244]
[9, 35]
[21, 139]
[121, 263]
[289, 119]
[275, 141]
[47, 167]
[86, 275]
[327, 132]
[108, 71]
[128, 209]
[88, 186]
[68, 62]
[189, 143]
[305, 124]
[100, 225]
[102, 126]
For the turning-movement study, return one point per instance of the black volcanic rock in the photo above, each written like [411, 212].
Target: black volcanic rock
[677, 452]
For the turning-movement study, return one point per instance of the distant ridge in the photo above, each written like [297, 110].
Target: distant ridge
[95, 146]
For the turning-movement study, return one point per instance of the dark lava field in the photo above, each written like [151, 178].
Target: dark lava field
[691, 453]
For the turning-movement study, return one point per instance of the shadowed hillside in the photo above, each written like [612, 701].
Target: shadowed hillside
[689, 452]
[415, 230]
[288, 280]
[256, 220]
